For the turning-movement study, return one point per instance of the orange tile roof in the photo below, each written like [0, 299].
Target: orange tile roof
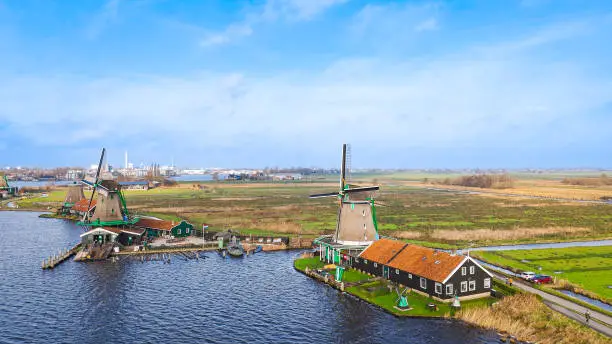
[426, 262]
[156, 224]
[81, 205]
[382, 250]
[422, 261]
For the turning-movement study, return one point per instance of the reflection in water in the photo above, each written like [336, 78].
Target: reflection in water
[259, 299]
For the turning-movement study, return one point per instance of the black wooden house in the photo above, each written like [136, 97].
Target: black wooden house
[425, 270]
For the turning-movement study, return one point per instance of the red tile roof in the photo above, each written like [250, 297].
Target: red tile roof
[156, 224]
[422, 261]
[382, 250]
[81, 206]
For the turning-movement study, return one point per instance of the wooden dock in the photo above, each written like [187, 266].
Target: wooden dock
[59, 258]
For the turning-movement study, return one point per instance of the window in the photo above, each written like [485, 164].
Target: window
[438, 288]
[410, 276]
[463, 271]
[397, 271]
[375, 265]
[365, 261]
[187, 230]
[449, 289]
[423, 283]
[487, 283]
[364, 226]
[472, 285]
[463, 286]
[356, 260]
[363, 212]
[472, 269]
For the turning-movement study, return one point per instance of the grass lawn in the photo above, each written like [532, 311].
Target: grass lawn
[351, 275]
[587, 267]
[312, 263]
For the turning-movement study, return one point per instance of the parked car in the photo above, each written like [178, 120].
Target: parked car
[527, 275]
[541, 279]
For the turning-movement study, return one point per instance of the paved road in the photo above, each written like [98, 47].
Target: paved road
[580, 318]
[599, 321]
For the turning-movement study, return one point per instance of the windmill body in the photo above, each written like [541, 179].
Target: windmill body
[74, 194]
[356, 226]
[108, 207]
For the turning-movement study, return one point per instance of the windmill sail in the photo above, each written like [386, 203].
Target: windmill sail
[94, 184]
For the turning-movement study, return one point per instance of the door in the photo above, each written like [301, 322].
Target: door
[385, 271]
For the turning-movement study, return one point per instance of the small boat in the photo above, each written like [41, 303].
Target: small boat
[235, 250]
[258, 249]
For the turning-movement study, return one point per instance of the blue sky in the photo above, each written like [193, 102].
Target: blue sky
[410, 84]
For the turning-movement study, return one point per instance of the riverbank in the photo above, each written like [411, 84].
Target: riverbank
[505, 314]
[380, 293]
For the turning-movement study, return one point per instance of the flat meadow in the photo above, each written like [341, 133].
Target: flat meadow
[445, 219]
[590, 268]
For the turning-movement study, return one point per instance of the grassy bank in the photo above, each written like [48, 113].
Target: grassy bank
[588, 268]
[522, 315]
[377, 292]
[525, 317]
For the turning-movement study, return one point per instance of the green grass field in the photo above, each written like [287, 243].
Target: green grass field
[587, 267]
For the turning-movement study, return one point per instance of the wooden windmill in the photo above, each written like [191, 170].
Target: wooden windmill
[356, 222]
[111, 209]
[74, 194]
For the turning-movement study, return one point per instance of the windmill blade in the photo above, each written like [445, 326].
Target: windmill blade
[363, 189]
[329, 194]
[343, 168]
[94, 185]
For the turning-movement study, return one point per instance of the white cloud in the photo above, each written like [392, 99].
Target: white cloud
[427, 25]
[271, 11]
[297, 9]
[231, 33]
[438, 103]
[392, 20]
[106, 15]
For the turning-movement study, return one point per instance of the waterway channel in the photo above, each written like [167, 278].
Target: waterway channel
[259, 299]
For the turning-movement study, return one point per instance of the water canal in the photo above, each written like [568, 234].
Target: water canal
[259, 299]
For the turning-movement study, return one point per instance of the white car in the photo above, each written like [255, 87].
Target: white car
[527, 275]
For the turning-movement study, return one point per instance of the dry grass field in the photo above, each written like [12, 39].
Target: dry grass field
[438, 218]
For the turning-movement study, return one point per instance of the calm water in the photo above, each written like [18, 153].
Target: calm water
[259, 299]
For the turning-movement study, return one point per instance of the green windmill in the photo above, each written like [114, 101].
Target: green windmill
[402, 299]
[111, 209]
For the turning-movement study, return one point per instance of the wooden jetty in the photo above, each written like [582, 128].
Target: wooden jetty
[59, 258]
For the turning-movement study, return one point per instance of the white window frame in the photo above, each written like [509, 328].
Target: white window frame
[365, 261]
[423, 283]
[487, 283]
[449, 289]
[410, 276]
[472, 270]
[375, 265]
[438, 288]
[356, 260]
[397, 271]
[464, 287]
[463, 271]
[472, 286]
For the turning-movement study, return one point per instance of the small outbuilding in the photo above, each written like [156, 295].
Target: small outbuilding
[158, 228]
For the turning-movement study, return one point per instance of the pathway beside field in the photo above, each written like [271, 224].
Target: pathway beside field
[599, 322]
